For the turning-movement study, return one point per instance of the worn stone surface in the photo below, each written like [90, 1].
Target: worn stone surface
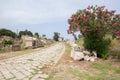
[28, 66]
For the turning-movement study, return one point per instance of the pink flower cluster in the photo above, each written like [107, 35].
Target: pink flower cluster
[78, 28]
[118, 33]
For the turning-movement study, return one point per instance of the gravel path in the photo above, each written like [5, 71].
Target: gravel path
[28, 66]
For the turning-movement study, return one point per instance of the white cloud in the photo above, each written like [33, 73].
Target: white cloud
[33, 11]
[41, 11]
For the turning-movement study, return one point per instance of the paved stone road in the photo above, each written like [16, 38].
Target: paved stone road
[28, 66]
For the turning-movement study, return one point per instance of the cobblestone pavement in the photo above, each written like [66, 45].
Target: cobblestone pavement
[28, 66]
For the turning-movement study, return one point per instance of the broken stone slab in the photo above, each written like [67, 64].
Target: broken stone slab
[86, 53]
[78, 55]
[92, 59]
[72, 54]
[86, 58]
[94, 54]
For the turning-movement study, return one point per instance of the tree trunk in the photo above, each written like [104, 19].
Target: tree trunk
[74, 36]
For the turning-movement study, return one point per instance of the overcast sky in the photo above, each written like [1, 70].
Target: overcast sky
[45, 16]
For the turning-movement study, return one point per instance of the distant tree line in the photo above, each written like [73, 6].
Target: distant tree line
[36, 34]
[6, 32]
[26, 32]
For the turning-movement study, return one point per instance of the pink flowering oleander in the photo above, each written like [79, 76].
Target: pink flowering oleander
[95, 18]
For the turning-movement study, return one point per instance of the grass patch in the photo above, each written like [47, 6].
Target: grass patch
[51, 76]
[114, 48]
[106, 67]
[81, 75]
[117, 70]
[66, 54]
[1, 51]
[88, 76]
[80, 42]
[54, 78]
[107, 71]
[97, 71]
[102, 67]
[67, 50]
[118, 55]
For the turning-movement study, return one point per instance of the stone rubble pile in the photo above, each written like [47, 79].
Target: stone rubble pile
[80, 54]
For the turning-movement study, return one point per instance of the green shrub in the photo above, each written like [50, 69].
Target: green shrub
[98, 45]
[7, 42]
[118, 55]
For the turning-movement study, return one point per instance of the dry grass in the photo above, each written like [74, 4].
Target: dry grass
[17, 53]
[13, 54]
[80, 42]
[114, 49]
[115, 45]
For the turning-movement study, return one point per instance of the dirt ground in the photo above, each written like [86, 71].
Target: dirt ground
[84, 70]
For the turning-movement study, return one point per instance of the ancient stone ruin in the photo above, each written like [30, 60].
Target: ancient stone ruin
[77, 53]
